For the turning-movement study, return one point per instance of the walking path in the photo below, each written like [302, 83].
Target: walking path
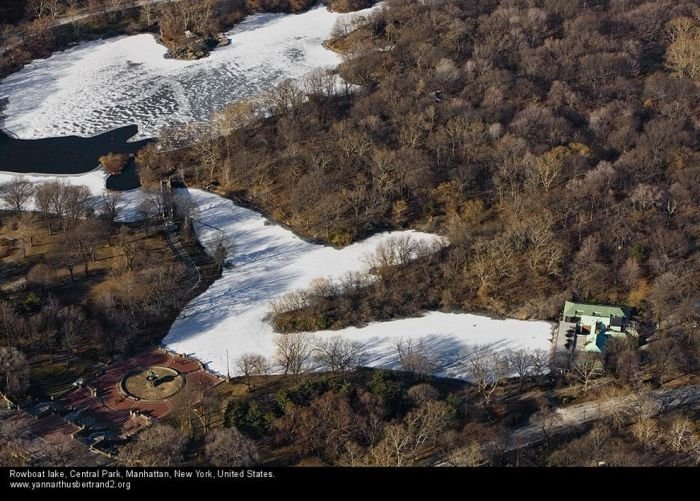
[566, 418]
[173, 240]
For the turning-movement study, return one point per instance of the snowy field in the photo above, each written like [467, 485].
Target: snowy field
[230, 318]
[100, 85]
[95, 182]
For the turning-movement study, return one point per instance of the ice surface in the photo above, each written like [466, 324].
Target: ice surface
[97, 86]
[231, 317]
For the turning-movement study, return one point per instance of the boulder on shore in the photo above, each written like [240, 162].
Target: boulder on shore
[187, 52]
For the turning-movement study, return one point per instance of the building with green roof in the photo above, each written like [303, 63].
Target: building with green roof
[597, 322]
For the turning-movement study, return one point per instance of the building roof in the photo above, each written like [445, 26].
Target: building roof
[595, 342]
[594, 310]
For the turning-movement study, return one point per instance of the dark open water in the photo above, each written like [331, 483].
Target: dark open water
[71, 155]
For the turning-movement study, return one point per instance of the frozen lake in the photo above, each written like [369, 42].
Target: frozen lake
[98, 86]
[231, 317]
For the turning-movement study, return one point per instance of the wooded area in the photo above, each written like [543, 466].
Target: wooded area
[76, 282]
[554, 144]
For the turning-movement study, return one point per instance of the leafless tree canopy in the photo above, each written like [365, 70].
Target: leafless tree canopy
[16, 195]
[229, 448]
[158, 445]
[293, 352]
[415, 357]
[14, 372]
[585, 368]
[402, 441]
[338, 354]
[252, 365]
[486, 368]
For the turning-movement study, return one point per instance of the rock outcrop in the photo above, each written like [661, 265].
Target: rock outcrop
[190, 48]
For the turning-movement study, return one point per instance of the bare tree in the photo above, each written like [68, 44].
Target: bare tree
[158, 445]
[14, 371]
[162, 285]
[225, 122]
[207, 151]
[621, 358]
[486, 369]
[38, 8]
[682, 53]
[16, 194]
[209, 410]
[680, 433]
[614, 403]
[663, 354]
[153, 204]
[394, 447]
[129, 247]
[86, 237]
[77, 204]
[588, 450]
[342, 26]
[26, 227]
[323, 426]
[353, 455]
[403, 440]
[73, 13]
[14, 444]
[428, 421]
[293, 352]
[43, 196]
[222, 250]
[415, 357]
[422, 393]
[147, 11]
[372, 412]
[9, 322]
[548, 419]
[8, 37]
[540, 363]
[648, 433]
[643, 405]
[67, 203]
[73, 327]
[585, 367]
[319, 83]
[110, 206]
[69, 254]
[395, 251]
[469, 455]
[252, 365]
[522, 363]
[338, 354]
[285, 98]
[229, 448]
[54, 455]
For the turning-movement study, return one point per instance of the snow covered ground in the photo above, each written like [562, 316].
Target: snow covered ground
[97, 86]
[230, 318]
[95, 182]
